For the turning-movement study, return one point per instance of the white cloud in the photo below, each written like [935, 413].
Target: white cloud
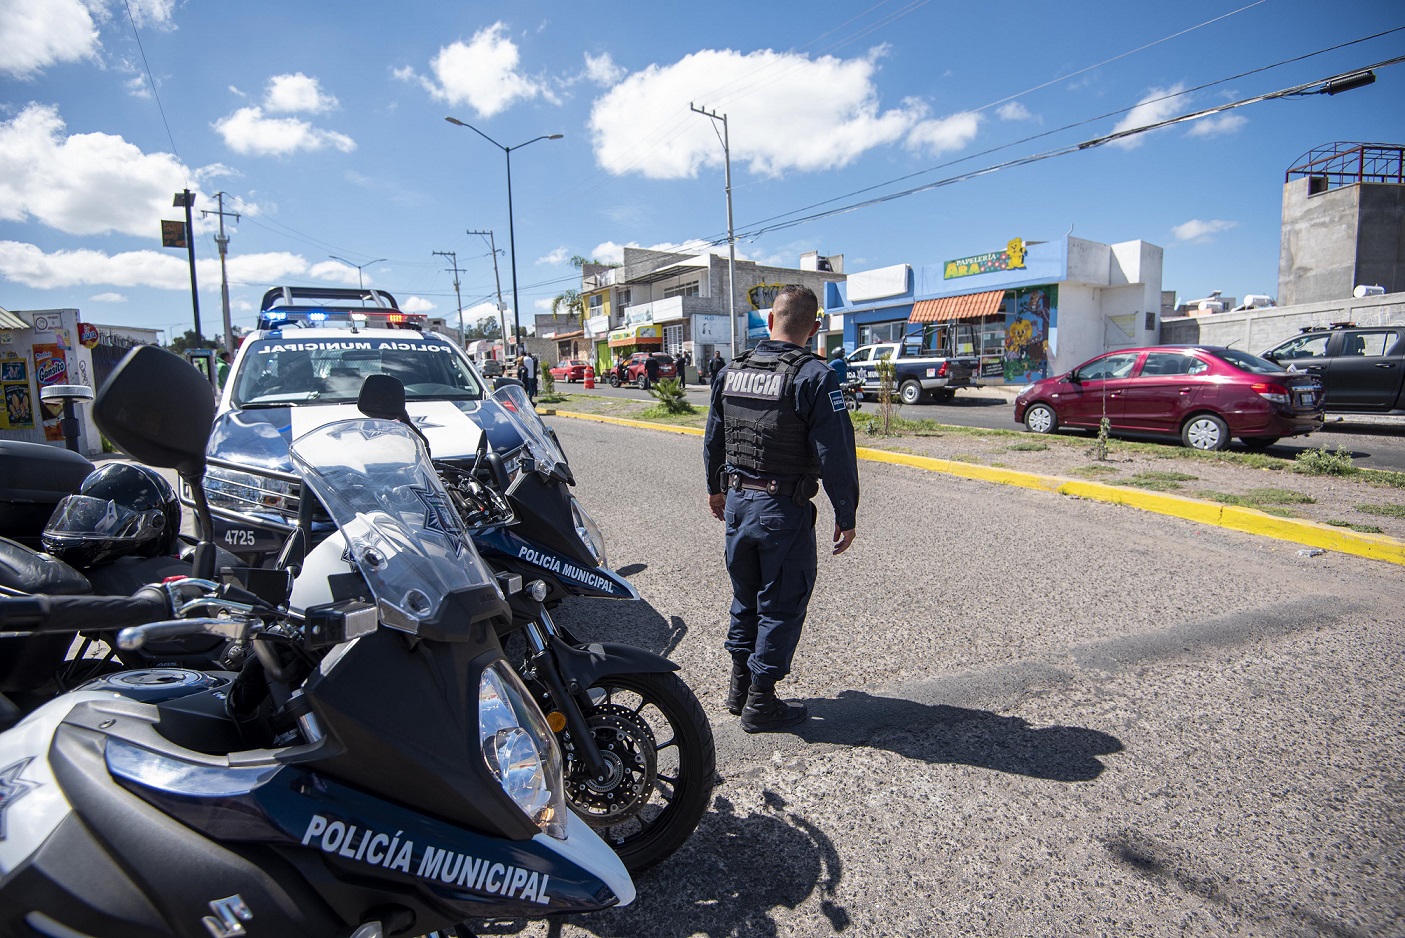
[814, 114]
[1217, 126]
[152, 12]
[38, 33]
[291, 94]
[944, 134]
[612, 252]
[602, 69]
[30, 266]
[337, 272]
[83, 183]
[417, 304]
[137, 86]
[1158, 105]
[108, 298]
[558, 256]
[248, 131]
[1201, 231]
[1013, 111]
[481, 73]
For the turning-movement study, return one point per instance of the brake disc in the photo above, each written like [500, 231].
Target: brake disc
[628, 749]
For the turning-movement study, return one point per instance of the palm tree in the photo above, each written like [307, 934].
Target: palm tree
[572, 299]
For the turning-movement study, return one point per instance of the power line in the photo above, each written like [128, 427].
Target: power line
[717, 239]
[154, 93]
[1322, 83]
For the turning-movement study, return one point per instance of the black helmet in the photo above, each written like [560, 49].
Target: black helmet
[121, 510]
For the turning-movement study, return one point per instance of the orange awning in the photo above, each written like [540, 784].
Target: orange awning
[970, 306]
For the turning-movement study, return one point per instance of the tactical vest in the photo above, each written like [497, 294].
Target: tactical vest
[763, 432]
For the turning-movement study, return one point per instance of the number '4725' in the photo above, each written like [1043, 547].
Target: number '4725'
[239, 537]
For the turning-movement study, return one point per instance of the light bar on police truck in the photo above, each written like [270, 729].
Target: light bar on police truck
[359, 318]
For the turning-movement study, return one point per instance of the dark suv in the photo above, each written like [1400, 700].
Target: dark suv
[1362, 368]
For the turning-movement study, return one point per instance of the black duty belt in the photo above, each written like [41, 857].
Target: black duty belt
[736, 480]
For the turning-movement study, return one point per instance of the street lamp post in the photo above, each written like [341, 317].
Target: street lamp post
[511, 235]
[360, 283]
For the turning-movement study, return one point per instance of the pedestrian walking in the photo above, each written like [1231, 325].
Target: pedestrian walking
[681, 364]
[777, 428]
[714, 366]
[651, 371]
[527, 371]
[222, 369]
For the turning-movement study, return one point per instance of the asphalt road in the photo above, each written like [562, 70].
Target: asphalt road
[1033, 715]
[1374, 442]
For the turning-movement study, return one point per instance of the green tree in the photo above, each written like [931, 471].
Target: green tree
[185, 342]
[572, 300]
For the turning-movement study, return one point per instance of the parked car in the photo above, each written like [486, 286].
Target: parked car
[568, 371]
[491, 368]
[1362, 368]
[636, 368]
[1206, 395]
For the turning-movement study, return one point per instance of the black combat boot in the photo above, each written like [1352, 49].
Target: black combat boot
[765, 712]
[740, 687]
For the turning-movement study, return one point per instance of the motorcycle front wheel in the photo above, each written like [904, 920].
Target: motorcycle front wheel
[661, 762]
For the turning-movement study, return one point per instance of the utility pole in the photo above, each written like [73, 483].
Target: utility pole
[222, 240]
[731, 233]
[186, 198]
[502, 311]
[454, 258]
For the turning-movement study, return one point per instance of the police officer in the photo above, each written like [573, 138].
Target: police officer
[776, 428]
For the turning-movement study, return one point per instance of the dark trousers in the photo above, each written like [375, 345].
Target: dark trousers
[771, 559]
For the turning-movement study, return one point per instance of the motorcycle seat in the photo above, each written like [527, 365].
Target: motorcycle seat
[27, 661]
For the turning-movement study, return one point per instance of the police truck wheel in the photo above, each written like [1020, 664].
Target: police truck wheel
[661, 763]
[910, 392]
[1041, 419]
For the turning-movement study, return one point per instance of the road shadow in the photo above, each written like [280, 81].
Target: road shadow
[728, 880]
[942, 734]
[621, 621]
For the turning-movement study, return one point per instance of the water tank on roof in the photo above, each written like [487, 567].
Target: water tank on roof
[1365, 290]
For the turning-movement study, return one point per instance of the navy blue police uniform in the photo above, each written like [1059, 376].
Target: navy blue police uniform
[777, 428]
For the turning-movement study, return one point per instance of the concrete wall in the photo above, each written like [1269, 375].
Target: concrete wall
[1317, 247]
[1380, 241]
[1258, 330]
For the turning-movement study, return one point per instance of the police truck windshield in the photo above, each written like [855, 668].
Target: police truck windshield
[277, 372]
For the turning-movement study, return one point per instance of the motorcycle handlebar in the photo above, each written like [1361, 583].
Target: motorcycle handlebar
[83, 613]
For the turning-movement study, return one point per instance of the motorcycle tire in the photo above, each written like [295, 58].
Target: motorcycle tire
[656, 794]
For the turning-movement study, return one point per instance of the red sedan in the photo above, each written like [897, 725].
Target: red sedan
[568, 371]
[1205, 395]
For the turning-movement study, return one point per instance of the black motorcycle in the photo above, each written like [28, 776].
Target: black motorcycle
[376, 767]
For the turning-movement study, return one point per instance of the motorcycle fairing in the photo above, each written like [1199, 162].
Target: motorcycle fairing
[577, 577]
[457, 871]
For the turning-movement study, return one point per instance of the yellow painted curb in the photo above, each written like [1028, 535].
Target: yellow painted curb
[1234, 518]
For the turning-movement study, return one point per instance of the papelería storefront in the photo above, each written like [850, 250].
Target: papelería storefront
[1028, 309]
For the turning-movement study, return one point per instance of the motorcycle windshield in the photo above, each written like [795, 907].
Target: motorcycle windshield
[401, 530]
[524, 416]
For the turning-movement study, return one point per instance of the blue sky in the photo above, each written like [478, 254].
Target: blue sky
[324, 124]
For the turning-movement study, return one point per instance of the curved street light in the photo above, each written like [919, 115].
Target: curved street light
[511, 238]
[359, 282]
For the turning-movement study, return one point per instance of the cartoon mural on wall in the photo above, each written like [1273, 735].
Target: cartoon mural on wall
[14, 384]
[1029, 333]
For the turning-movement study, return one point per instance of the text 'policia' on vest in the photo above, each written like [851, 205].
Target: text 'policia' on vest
[763, 432]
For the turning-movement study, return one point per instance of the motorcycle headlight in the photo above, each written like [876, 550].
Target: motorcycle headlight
[520, 749]
[589, 534]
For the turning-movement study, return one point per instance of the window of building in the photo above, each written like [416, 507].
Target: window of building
[882, 332]
[682, 289]
[597, 303]
[623, 297]
[673, 338]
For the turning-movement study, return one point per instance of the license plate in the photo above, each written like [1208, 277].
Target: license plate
[1307, 398]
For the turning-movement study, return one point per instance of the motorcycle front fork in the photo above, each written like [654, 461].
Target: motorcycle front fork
[539, 633]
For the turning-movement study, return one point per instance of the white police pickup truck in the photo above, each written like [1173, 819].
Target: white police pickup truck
[918, 376]
[303, 368]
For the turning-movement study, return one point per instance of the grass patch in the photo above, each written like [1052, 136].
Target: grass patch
[1324, 462]
[1027, 448]
[1266, 499]
[1092, 472]
[1383, 477]
[1360, 528]
[1156, 480]
[1385, 511]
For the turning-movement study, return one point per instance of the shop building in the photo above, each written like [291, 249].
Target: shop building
[1029, 310]
[679, 303]
[40, 348]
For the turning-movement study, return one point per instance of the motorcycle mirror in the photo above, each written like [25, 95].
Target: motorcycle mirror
[506, 381]
[383, 397]
[157, 409]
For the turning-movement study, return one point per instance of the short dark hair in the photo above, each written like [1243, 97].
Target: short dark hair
[799, 310]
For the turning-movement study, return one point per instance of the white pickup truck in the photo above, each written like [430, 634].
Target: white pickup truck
[918, 375]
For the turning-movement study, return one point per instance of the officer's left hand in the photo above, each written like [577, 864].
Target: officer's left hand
[842, 539]
[717, 505]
